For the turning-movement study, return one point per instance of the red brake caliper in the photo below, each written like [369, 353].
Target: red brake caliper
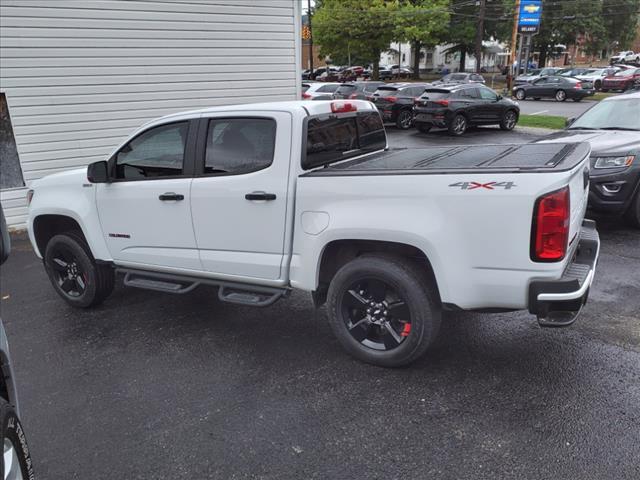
[406, 330]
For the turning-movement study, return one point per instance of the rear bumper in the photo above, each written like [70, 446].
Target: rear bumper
[557, 303]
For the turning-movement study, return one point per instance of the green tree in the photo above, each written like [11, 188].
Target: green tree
[421, 23]
[360, 28]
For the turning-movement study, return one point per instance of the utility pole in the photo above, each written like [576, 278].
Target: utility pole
[480, 34]
[310, 39]
[514, 45]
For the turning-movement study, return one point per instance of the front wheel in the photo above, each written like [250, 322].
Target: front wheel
[404, 120]
[16, 460]
[561, 96]
[74, 273]
[382, 310]
[598, 85]
[509, 120]
[458, 125]
[520, 94]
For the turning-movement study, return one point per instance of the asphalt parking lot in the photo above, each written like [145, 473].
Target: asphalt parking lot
[548, 106]
[154, 386]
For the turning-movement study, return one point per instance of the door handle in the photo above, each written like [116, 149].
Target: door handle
[171, 196]
[260, 196]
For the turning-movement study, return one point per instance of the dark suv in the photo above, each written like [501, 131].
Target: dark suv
[456, 107]
[395, 102]
[357, 90]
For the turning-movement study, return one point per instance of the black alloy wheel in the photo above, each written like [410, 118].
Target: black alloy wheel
[404, 120]
[509, 120]
[67, 272]
[375, 314]
[458, 125]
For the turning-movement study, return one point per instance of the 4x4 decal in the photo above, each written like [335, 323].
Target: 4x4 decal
[488, 185]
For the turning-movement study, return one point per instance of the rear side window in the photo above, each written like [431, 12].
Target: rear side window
[346, 89]
[387, 92]
[239, 145]
[435, 95]
[332, 139]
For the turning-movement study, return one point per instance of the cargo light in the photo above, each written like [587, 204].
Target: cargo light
[343, 107]
[550, 231]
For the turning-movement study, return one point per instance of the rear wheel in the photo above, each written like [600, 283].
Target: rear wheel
[561, 96]
[16, 463]
[404, 120]
[520, 94]
[458, 125]
[509, 120]
[423, 127]
[597, 85]
[74, 273]
[382, 311]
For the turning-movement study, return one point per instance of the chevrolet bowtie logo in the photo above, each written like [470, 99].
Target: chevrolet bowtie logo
[531, 8]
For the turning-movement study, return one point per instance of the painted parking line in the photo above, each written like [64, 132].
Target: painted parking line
[538, 113]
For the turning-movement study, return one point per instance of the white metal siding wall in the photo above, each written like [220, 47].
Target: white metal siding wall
[79, 75]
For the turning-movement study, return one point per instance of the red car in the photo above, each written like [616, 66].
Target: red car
[623, 80]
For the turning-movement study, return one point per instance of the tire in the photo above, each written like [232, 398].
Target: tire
[560, 96]
[458, 125]
[520, 94]
[633, 213]
[509, 120]
[404, 119]
[15, 445]
[356, 291]
[605, 90]
[74, 273]
[423, 127]
[597, 85]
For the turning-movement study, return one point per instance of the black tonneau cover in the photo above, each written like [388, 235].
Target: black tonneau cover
[531, 157]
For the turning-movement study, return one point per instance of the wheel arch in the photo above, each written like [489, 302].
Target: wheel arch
[46, 226]
[337, 253]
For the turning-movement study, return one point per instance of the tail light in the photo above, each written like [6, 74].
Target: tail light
[353, 96]
[550, 232]
[444, 103]
[578, 85]
[29, 196]
[306, 96]
[391, 99]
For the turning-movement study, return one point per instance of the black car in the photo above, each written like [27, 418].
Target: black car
[357, 90]
[612, 127]
[395, 102]
[460, 78]
[456, 107]
[16, 459]
[556, 87]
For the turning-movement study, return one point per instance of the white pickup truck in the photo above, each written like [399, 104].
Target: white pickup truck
[261, 199]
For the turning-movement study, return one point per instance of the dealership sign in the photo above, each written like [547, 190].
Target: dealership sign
[530, 15]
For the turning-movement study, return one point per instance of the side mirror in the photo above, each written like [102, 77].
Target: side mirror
[98, 172]
[569, 121]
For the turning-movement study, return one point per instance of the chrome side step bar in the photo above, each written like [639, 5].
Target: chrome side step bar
[238, 293]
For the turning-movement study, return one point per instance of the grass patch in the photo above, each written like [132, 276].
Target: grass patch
[600, 96]
[542, 121]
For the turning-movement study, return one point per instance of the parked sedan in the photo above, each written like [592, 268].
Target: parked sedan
[612, 127]
[395, 102]
[597, 75]
[556, 87]
[357, 90]
[456, 107]
[319, 90]
[460, 78]
[534, 75]
[622, 81]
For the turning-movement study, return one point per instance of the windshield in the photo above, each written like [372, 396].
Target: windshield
[615, 114]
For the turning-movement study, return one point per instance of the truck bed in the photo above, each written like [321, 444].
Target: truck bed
[528, 158]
